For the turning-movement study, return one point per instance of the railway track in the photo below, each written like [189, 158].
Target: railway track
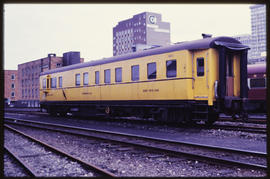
[252, 129]
[206, 153]
[36, 111]
[21, 166]
[231, 127]
[252, 120]
[38, 169]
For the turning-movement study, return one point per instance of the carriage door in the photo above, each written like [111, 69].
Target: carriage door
[200, 74]
[229, 75]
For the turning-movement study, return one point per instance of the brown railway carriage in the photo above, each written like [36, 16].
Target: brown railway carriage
[257, 87]
[190, 81]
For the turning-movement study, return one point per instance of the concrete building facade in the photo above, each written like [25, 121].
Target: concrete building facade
[11, 86]
[145, 28]
[257, 39]
[258, 30]
[246, 39]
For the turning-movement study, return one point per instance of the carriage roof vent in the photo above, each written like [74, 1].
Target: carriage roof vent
[206, 35]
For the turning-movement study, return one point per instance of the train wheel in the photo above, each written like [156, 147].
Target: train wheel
[108, 111]
[52, 112]
[162, 115]
[213, 116]
[209, 123]
[244, 116]
[63, 114]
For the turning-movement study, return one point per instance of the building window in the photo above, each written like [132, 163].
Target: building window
[58, 65]
[60, 82]
[97, 77]
[135, 73]
[107, 76]
[171, 68]
[118, 74]
[44, 83]
[53, 83]
[12, 94]
[77, 80]
[22, 93]
[12, 86]
[85, 78]
[13, 76]
[151, 70]
[257, 83]
[200, 66]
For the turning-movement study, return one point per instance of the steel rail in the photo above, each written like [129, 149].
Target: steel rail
[247, 152]
[24, 165]
[169, 151]
[249, 120]
[86, 164]
[260, 130]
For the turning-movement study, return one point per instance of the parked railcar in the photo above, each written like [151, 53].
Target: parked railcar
[190, 81]
[257, 88]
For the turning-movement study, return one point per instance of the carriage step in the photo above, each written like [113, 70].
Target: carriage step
[200, 112]
[199, 119]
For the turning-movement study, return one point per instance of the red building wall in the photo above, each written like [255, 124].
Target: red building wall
[11, 85]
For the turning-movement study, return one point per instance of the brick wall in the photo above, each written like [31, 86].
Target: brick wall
[11, 87]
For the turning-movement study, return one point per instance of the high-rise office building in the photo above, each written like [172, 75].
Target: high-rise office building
[245, 39]
[257, 40]
[142, 30]
[258, 30]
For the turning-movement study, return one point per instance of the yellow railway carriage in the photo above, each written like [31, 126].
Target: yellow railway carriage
[190, 81]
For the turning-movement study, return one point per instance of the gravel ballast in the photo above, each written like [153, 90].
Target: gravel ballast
[43, 161]
[124, 161]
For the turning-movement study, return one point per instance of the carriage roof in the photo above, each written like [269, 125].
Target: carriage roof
[256, 68]
[205, 43]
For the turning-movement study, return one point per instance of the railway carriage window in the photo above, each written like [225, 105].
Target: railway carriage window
[53, 82]
[135, 73]
[118, 74]
[44, 83]
[60, 81]
[229, 67]
[257, 83]
[77, 79]
[152, 70]
[107, 76]
[48, 82]
[97, 77]
[85, 79]
[200, 66]
[171, 68]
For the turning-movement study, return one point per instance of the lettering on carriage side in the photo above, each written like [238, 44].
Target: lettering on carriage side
[87, 93]
[201, 97]
[150, 90]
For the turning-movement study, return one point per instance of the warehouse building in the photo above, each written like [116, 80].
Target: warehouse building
[11, 90]
[28, 75]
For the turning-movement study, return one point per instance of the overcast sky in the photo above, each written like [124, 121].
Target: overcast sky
[31, 31]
